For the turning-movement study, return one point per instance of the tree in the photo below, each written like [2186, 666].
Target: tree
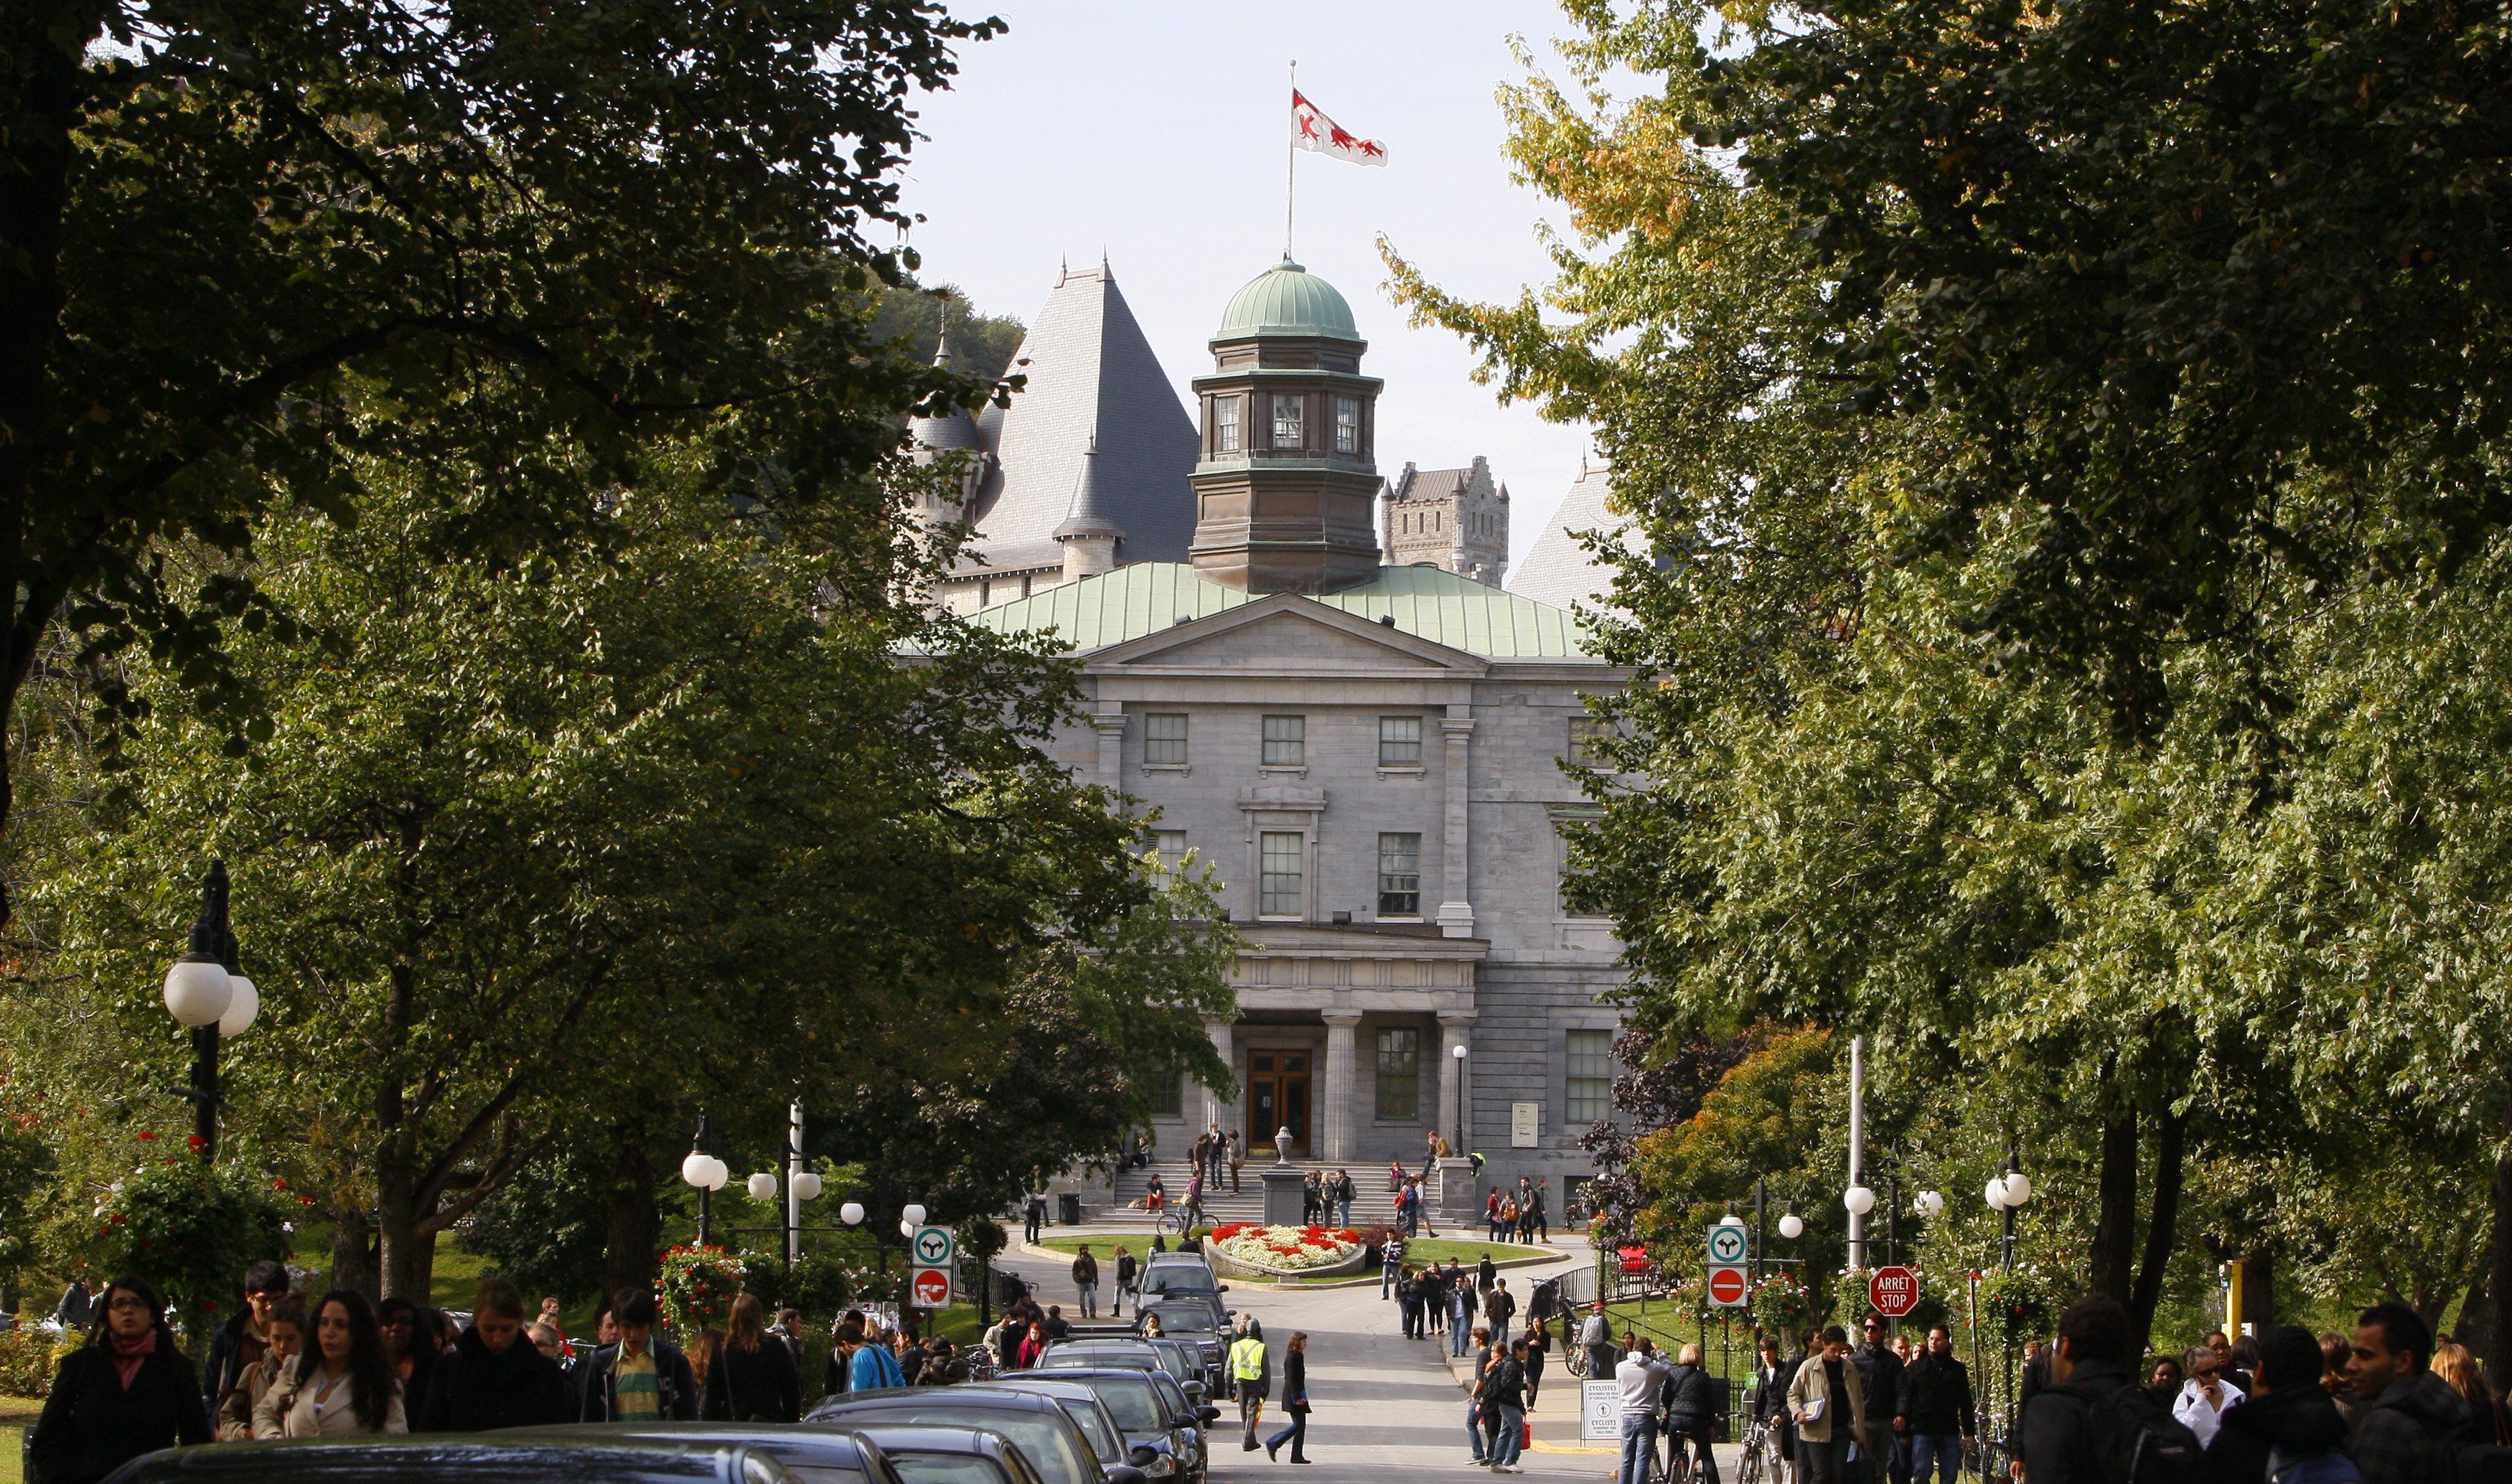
[249, 252]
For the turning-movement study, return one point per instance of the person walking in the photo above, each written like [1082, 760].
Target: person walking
[284, 1334]
[1128, 1283]
[492, 1377]
[1936, 1409]
[1295, 1400]
[641, 1377]
[1597, 1338]
[1879, 1382]
[1235, 1151]
[1770, 1405]
[1342, 1195]
[341, 1386]
[240, 1342]
[1689, 1414]
[128, 1391]
[1539, 1341]
[1543, 1204]
[1408, 1301]
[1034, 1217]
[1639, 1378]
[2288, 1417]
[1461, 1309]
[1086, 1282]
[1486, 1274]
[1829, 1404]
[1499, 1306]
[1390, 1265]
[2205, 1394]
[1195, 1199]
[2461, 1370]
[755, 1378]
[1435, 1299]
[78, 1307]
[411, 1343]
[1491, 1215]
[1505, 1406]
[1251, 1378]
[2413, 1421]
[2073, 1421]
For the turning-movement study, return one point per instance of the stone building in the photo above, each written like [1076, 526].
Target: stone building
[1368, 758]
[1456, 519]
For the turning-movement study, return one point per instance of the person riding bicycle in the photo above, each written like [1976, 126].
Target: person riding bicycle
[1688, 1415]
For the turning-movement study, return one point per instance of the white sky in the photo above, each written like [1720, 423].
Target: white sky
[1157, 132]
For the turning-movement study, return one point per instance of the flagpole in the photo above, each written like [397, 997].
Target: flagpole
[1290, 167]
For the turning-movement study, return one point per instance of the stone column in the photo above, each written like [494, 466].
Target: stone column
[1223, 1041]
[1110, 723]
[1456, 1029]
[1456, 912]
[1341, 1113]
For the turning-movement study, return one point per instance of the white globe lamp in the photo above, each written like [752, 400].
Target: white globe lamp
[244, 1003]
[694, 1169]
[2018, 1187]
[1995, 1195]
[1792, 1226]
[913, 1213]
[852, 1213]
[762, 1187]
[1858, 1199]
[197, 992]
[1731, 1219]
[719, 1173]
[1931, 1202]
[806, 1186]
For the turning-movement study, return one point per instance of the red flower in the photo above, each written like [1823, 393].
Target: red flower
[306, 1200]
[278, 1185]
[148, 1133]
[209, 1306]
[195, 1142]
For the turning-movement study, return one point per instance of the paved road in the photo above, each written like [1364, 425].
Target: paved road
[1386, 1407]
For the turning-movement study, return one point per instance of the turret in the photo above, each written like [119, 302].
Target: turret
[1088, 535]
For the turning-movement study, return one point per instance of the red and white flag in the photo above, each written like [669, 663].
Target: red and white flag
[1315, 131]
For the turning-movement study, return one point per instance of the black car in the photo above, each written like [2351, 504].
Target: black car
[1199, 1320]
[1149, 1410]
[1180, 1361]
[812, 1455]
[442, 1459]
[937, 1455]
[1038, 1426]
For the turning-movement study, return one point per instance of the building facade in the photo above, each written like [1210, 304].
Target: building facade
[1456, 519]
[1368, 758]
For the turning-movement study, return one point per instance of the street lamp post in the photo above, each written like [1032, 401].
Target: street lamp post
[1458, 1053]
[706, 1174]
[205, 993]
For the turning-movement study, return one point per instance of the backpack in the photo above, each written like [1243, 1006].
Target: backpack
[2142, 1442]
[2331, 1468]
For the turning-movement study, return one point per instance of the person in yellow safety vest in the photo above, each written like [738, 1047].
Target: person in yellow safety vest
[1251, 1376]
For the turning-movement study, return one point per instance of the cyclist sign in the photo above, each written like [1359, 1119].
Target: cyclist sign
[1894, 1291]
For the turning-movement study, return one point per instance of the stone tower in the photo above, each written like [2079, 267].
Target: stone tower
[1456, 519]
[1286, 486]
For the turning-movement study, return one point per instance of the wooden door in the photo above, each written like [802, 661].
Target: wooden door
[1277, 1098]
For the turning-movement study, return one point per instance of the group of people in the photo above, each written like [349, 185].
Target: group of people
[1326, 1198]
[1432, 1299]
[1522, 1215]
[1249, 1364]
[1500, 1397]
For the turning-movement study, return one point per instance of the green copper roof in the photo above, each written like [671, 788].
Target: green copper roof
[1287, 299]
[1425, 601]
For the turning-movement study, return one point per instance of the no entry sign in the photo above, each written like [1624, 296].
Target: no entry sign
[932, 1287]
[1894, 1291]
[1728, 1288]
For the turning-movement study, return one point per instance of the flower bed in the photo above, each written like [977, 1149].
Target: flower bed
[1264, 1251]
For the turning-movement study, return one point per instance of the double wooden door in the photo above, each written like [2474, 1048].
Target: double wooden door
[1277, 1098]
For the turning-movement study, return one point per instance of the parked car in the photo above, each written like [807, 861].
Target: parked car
[1178, 1360]
[940, 1455]
[812, 1455]
[1151, 1411]
[454, 1459]
[1088, 1413]
[1170, 1272]
[1038, 1426]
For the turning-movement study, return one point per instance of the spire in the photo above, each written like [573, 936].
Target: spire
[942, 342]
[1088, 515]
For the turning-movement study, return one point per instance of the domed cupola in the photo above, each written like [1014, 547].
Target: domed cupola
[1286, 485]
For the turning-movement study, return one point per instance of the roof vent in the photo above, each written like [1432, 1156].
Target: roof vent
[1387, 620]
[1181, 619]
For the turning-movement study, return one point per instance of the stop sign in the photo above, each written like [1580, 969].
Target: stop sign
[1727, 1287]
[1894, 1291]
[932, 1287]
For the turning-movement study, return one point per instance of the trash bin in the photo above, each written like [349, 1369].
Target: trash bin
[1068, 1208]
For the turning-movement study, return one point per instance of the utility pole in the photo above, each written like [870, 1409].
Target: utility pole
[1856, 1147]
[793, 1197]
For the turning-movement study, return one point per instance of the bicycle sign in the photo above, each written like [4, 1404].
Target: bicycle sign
[1726, 1246]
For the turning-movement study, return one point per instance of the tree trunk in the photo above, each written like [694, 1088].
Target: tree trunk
[2258, 1290]
[2115, 1224]
[397, 1217]
[2171, 1142]
[353, 1255]
[2476, 1326]
[635, 1234]
[2498, 1274]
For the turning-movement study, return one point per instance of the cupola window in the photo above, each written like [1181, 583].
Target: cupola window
[1286, 422]
[1347, 424]
[1224, 424]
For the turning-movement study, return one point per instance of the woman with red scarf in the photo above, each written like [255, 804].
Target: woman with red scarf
[126, 1391]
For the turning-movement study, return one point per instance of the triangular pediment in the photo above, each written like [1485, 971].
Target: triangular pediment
[1288, 635]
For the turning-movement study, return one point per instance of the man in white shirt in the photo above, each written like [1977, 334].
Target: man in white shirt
[1640, 1378]
[2205, 1395]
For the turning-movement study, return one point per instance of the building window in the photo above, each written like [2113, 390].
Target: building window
[1587, 743]
[1400, 1074]
[1347, 424]
[1224, 424]
[1172, 845]
[1399, 741]
[1399, 876]
[1169, 1095]
[1283, 861]
[1164, 738]
[1286, 741]
[1590, 1082]
[1286, 420]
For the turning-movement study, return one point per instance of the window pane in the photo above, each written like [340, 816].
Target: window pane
[1399, 876]
[1287, 421]
[1399, 741]
[1282, 859]
[1591, 1065]
[1400, 1074]
[1224, 424]
[1585, 735]
[1171, 844]
[1165, 736]
[1347, 424]
[1168, 1096]
[1286, 741]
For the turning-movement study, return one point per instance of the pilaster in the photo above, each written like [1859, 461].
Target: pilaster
[1456, 912]
[1110, 723]
[1342, 1077]
[1225, 1042]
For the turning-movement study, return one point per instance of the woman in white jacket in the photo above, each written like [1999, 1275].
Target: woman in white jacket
[342, 1385]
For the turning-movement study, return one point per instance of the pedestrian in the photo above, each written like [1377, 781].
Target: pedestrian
[1640, 1378]
[240, 1342]
[1509, 1217]
[1155, 1196]
[1202, 1153]
[1770, 1406]
[1486, 1274]
[2288, 1417]
[1936, 1409]
[1034, 1217]
[640, 1377]
[1218, 1152]
[2076, 1428]
[1433, 1145]
[2205, 1394]
[78, 1307]
[1235, 1151]
[493, 1378]
[2228, 1367]
[1033, 1343]
[1506, 1407]
[1828, 1401]
[1542, 1201]
[549, 1342]
[1251, 1378]
[343, 1385]
[1086, 1282]
[1879, 1382]
[1689, 1416]
[1342, 1195]
[1295, 1400]
[1195, 1199]
[128, 1391]
[2412, 1423]
[1539, 1341]
[1499, 1306]
[284, 1337]
[944, 1365]
[1435, 1299]
[2461, 1371]
[2164, 1384]
[1312, 1198]
[1461, 1308]
[1491, 1215]
[755, 1378]
[1408, 1301]
[788, 1329]
[1390, 1265]
[703, 1354]
[411, 1343]
[1128, 1283]
[1597, 1340]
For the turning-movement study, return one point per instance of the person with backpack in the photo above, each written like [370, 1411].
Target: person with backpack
[1689, 1414]
[1086, 1282]
[2413, 1425]
[1829, 1404]
[1879, 1377]
[2093, 1424]
[2288, 1431]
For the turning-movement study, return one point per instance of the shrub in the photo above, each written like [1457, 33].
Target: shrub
[192, 1229]
[29, 1358]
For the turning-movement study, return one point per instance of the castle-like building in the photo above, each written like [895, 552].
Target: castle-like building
[1314, 680]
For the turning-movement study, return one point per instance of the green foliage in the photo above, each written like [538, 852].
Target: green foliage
[547, 1228]
[191, 1229]
[29, 1358]
[26, 1170]
[820, 1285]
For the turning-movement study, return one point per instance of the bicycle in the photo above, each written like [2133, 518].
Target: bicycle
[1757, 1452]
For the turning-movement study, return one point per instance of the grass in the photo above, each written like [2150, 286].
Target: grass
[15, 1417]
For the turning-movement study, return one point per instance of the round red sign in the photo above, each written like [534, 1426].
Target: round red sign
[1894, 1291]
[1727, 1286]
[932, 1288]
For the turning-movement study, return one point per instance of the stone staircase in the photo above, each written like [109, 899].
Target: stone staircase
[1248, 1204]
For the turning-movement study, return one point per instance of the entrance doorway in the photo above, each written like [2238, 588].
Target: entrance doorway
[1277, 1098]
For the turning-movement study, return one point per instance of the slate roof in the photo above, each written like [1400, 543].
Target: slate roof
[1087, 515]
[953, 429]
[1425, 601]
[1091, 375]
[1559, 571]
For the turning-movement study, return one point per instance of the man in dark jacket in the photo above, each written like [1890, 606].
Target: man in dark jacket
[239, 1341]
[1879, 1374]
[1500, 1306]
[494, 1376]
[2071, 1427]
[2288, 1413]
[1936, 1409]
[643, 1377]
[2414, 1423]
[1503, 1399]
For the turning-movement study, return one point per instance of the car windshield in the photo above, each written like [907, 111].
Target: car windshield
[1185, 1319]
[1049, 1444]
[1094, 1357]
[1180, 1277]
[1132, 1401]
[947, 1469]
